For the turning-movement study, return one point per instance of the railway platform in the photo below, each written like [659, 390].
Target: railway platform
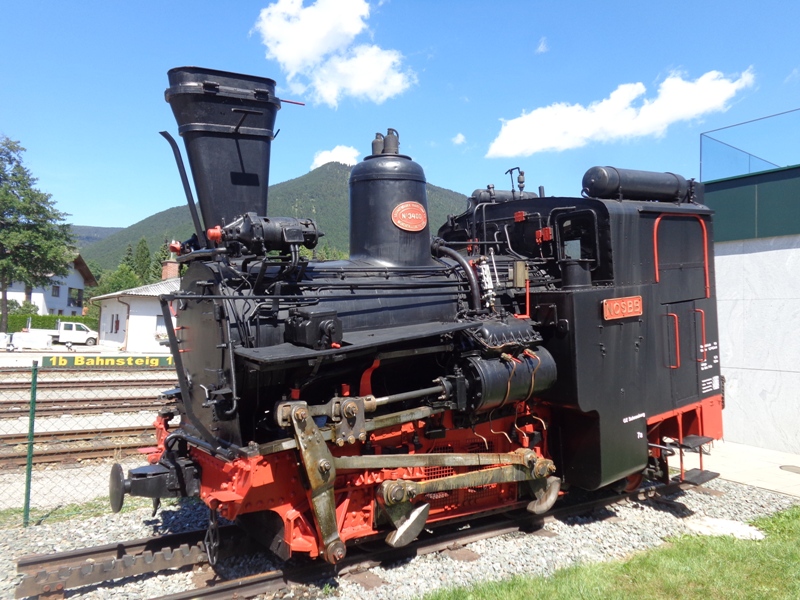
[759, 467]
[25, 358]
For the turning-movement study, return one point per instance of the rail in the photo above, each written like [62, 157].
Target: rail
[56, 573]
[102, 443]
[80, 415]
[89, 383]
[46, 408]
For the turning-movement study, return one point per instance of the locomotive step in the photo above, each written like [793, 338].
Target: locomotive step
[699, 477]
[693, 442]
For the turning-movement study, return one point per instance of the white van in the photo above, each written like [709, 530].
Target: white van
[67, 332]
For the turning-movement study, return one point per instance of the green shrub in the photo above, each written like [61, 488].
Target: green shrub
[19, 322]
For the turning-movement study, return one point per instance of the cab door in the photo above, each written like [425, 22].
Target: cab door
[682, 278]
[680, 337]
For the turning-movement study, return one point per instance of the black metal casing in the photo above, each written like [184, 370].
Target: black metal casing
[613, 374]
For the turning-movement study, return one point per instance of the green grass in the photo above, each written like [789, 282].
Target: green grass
[687, 567]
[12, 517]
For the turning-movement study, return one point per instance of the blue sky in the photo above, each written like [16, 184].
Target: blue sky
[473, 87]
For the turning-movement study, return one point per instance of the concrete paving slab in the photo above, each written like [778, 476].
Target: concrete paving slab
[758, 467]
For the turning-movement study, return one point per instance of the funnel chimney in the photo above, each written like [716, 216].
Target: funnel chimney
[226, 121]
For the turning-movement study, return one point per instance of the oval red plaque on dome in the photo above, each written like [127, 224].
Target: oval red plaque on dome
[410, 216]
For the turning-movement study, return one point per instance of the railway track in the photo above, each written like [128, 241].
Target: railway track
[77, 435]
[116, 450]
[82, 391]
[16, 382]
[80, 406]
[63, 446]
[53, 574]
[45, 374]
[61, 384]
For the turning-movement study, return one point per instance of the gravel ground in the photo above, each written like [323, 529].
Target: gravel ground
[606, 535]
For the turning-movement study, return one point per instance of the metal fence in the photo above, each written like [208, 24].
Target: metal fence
[760, 144]
[64, 421]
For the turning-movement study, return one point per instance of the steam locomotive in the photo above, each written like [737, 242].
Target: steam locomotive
[534, 344]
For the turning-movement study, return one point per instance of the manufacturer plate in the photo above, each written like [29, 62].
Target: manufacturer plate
[410, 216]
[622, 308]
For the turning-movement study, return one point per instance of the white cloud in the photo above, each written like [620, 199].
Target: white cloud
[365, 72]
[298, 38]
[542, 47]
[793, 76]
[459, 139]
[342, 154]
[625, 114]
[315, 47]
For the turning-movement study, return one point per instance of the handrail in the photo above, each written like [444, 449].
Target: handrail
[677, 342]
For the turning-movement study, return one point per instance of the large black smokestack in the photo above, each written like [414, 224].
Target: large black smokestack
[226, 121]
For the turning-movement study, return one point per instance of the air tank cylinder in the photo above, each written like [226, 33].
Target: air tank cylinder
[495, 382]
[629, 184]
[389, 208]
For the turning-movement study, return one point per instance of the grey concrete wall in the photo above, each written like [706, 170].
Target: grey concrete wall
[758, 291]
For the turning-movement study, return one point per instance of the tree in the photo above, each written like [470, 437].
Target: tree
[36, 246]
[157, 264]
[26, 308]
[141, 261]
[111, 281]
[95, 268]
[122, 279]
[128, 258]
[323, 252]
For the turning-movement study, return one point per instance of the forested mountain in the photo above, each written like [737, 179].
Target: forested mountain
[86, 235]
[322, 195]
[171, 224]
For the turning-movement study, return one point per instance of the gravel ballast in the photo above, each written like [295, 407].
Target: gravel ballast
[607, 534]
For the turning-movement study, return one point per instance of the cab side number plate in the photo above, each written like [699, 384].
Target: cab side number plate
[622, 308]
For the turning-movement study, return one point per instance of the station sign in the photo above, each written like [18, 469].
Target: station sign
[78, 361]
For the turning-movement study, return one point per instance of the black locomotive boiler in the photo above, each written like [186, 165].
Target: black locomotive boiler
[533, 344]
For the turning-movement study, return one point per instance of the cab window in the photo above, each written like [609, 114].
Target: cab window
[577, 235]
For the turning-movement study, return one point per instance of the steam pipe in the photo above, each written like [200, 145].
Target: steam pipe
[198, 228]
[440, 390]
[438, 247]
